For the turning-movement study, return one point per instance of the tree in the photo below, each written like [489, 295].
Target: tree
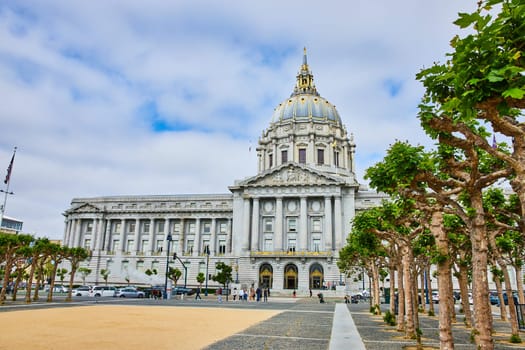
[105, 275]
[84, 272]
[201, 278]
[174, 274]
[9, 245]
[224, 274]
[75, 255]
[61, 273]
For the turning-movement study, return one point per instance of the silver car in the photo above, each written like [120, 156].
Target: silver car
[129, 292]
[82, 291]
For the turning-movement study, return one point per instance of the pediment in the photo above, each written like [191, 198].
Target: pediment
[86, 208]
[291, 175]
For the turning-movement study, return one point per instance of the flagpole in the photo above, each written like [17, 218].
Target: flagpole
[6, 192]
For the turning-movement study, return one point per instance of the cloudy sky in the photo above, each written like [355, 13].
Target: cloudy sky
[166, 97]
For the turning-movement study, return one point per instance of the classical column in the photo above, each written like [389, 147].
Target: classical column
[152, 236]
[67, 236]
[278, 247]
[197, 238]
[213, 235]
[94, 234]
[123, 235]
[255, 225]
[229, 235]
[328, 223]
[78, 233]
[246, 227]
[107, 238]
[338, 221]
[303, 224]
[137, 234]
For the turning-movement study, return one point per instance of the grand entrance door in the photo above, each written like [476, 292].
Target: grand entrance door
[316, 276]
[266, 276]
[290, 276]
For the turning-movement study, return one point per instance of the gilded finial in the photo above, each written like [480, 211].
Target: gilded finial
[304, 55]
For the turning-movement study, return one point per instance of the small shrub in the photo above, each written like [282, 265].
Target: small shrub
[389, 318]
[431, 313]
[515, 339]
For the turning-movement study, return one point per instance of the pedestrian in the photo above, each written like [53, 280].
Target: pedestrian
[245, 294]
[294, 293]
[234, 293]
[265, 295]
[241, 294]
[258, 293]
[219, 295]
[198, 294]
[310, 292]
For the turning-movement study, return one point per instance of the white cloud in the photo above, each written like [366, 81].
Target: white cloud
[75, 78]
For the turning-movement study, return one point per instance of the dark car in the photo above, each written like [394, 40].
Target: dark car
[506, 299]
[182, 290]
[153, 292]
[494, 299]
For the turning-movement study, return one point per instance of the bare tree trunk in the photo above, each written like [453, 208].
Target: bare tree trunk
[463, 290]
[422, 290]
[480, 285]
[401, 324]
[519, 283]
[444, 268]
[30, 281]
[431, 310]
[514, 327]
[375, 290]
[502, 307]
[392, 271]
[410, 331]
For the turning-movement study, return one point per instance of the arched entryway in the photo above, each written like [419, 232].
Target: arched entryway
[266, 276]
[316, 276]
[290, 276]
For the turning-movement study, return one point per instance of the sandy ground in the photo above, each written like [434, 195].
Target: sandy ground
[123, 327]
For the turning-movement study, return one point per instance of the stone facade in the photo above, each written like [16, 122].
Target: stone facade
[281, 228]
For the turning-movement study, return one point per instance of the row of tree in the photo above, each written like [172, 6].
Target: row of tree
[35, 261]
[445, 209]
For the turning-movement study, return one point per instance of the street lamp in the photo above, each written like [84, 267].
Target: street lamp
[207, 263]
[185, 269]
[169, 239]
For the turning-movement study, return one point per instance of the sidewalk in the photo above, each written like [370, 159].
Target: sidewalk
[344, 331]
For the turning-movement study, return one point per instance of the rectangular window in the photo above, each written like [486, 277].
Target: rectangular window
[284, 156]
[175, 245]
[205, 246]
[131, 226]
[291, 244]
[155, 265]
[89, 227]
[116, 227]
[292, 225]
[336, 158]
[116, 245]
[160, 226]
[316, 225]
[268, 224]
[125, 266]
[270, 160]
[145, 227]
[202, 267]
[191, 227]
[222, 247]
[130, 246]
[87, 244]
[222, 227]
[140, 266]
[320, 156]
[302, 155]
[206, 227]
[316, 244]
[145, 246]
[189, 248]
[268, 245]
[176, 227]
[160, 245]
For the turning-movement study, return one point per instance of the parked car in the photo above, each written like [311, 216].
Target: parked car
[57, 288]
[182, 290]
[129, 292]
[102, 291]
[494, 299]
[435, 297]
[82, 291]
[506, 299]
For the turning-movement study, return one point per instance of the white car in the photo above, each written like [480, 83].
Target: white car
[82, 291]
[103, 291]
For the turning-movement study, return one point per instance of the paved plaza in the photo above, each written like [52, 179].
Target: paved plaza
[282, 323]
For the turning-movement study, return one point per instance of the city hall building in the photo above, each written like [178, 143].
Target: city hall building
[282, 228]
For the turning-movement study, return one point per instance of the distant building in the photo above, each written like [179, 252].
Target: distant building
[11, 225]
[282, 228]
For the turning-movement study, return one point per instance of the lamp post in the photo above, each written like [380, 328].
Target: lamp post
[185, 269]
[207, 263]
[168, 238]
[237, 271]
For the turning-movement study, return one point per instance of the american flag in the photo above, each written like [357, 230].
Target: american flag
[10, 168]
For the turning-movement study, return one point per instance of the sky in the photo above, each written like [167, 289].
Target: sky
[132, 97]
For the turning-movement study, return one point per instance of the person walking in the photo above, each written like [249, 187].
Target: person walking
[234, 293]
[198, 294]
[265, 295]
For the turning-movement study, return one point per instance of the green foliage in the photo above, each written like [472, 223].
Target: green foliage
[515, 339]
[201, 277]
[224, 273]
[174, 274]
[389, 318]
